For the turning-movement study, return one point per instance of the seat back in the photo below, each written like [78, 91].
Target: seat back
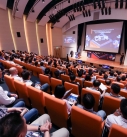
[36, 98]
[53, 70]
[110, 104]
[54, 83]
[10, 83]
[88, 84]
[117, 131]
[74, 87]
[74, 70]
[57, 110]
[120, 84]
[101, 80]
[22, 91]
[95, 94]
[65, 77]
[123, 93]
[98, 76]
[80, 81]
[85, 124]
[44, 79]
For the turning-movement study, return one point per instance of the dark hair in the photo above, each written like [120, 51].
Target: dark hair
[118, 78]
[59, 91]
[123, 78]
[57, 74]
[80, 73]
[96, 83]
[88, 78]
[119, 72]
[72, 77]
[123, 107]
[111, 73]
[105, 76]
[115, 88]
[36, 63]
[108, 82]
[100, 73]
[41, 64]
[11, 58]
[88, 100]
[11, 125]
[47, 71]
[25, 74]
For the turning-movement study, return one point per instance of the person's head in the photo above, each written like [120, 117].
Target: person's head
[100, 73]
[96, 83]
[115, 88]
[123, 78]
[59, 91]
[13, 125]
[88, 101]
[123, 108]
[72, 77]
[80, 73]
[36, 63]
[118, 79]
[88, 78]
[47, 71]
[105, 76]
[111, 73]
[119, 72]
[108, 82]
[13, 71]
[11, 58]
[41, 64]
[57, 74]
[26, 75]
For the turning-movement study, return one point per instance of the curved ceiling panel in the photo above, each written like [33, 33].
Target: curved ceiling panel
[37, 9]
[20, 7]
[64, 20]
[3, 4]
[64, 5]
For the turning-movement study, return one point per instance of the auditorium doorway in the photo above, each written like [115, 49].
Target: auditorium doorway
[57, 52]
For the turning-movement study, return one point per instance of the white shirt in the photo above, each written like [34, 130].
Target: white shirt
[16, 77]
[28, 82]
[119, 120]
[4, 99]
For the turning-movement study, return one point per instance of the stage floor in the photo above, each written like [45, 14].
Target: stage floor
[98, 62]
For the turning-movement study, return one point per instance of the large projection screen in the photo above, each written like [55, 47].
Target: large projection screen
[104, 37]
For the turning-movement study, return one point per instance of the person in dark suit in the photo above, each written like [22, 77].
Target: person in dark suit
[121, 58]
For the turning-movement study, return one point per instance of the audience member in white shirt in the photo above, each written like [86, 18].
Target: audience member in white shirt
[11, 60]
[14, 73]
[119, 117]
[9, 99]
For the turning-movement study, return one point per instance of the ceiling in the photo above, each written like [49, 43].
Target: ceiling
[40, 10]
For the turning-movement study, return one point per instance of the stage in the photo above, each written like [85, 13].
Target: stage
[97, 62]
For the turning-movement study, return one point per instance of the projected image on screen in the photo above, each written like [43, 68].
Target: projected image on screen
[103, 37]
[69, 40]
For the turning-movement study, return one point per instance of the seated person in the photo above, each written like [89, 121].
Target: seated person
[118, 79]
[14, 125]
[115, 90]
[57, 74]
[42, 66]
[111, 74]
[108, 82]
[119, 117]
[14, 73]
[10, 100]
[88, 78]
[48, 72]
[88, 104]
[59, 93]
[36, 63]
[80, 73]
[105, 76]
[26, 78]
[29, 115]
[123, 78]
[100, 73]
[11, 60]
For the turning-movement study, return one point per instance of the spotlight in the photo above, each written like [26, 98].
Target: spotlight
[121, 4]
[89, 13]
[105, 10]
[83, 14]
[109, 10]
[116, 4]
[102, 11]
[86, 13]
